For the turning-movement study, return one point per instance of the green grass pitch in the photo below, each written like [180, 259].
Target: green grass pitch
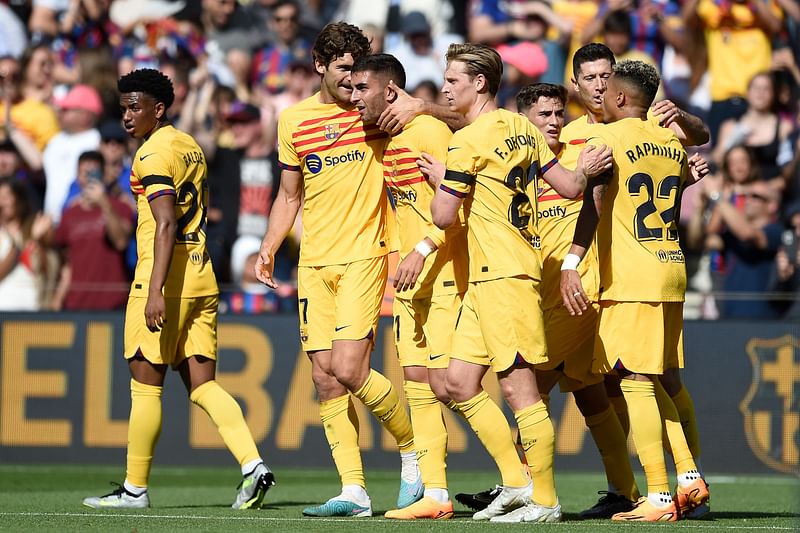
[47, 498]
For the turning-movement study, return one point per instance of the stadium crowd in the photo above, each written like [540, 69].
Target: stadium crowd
[67, 215]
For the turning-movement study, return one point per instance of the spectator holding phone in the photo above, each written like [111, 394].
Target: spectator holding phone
[787, 265]
[93, 235]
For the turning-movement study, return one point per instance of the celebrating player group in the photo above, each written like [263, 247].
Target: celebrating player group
[526, 247]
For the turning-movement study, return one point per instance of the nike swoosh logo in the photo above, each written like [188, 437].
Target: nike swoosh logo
[451, 148]
[142, 157]
[340, 328]
[434, 357]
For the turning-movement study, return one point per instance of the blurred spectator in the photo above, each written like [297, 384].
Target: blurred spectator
[654, 25]
[22, 256]
[33, 118]
[618, 36]
[13, 37]
[787, 266]
[760, 129]
[271, 64]
[227, 27]
[96, 68]
[495, 22]
[738, 35]
[301, 82]
[93, 236]
[242, 185]
[37, 65]
[79, 111]
[248, 295]
[116, 165]
[428, 90]
[421, 54]
[524, 63]
[750, 241]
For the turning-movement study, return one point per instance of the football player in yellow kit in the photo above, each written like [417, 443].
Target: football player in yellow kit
[642, 279]
[171, 317]
[430, 281]
[491, 165]
[331, 165]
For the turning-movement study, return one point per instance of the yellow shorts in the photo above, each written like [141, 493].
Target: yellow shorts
[424, 328]
[570, 346]
[340, 302]
[501, 320]
[190, 329]
[641, 337]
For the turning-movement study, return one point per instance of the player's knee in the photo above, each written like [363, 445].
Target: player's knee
[458, 389]
[351, 376]
[440, 391]
[323, 381]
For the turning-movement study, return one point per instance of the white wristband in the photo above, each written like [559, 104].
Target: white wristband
[424, 248]
[571, 262]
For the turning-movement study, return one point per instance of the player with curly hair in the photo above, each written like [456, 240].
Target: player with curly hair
[171, 316]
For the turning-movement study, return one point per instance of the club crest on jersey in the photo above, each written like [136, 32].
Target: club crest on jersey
[770, 407]
[331, 131]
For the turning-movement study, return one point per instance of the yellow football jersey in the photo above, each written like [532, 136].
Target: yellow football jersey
[491, 163]
[637, 236]
[345, 203]
[445, 270]
[556, 222]
[171, 163]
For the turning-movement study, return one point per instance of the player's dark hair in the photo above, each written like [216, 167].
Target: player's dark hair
[478, 59]
[148, 81]
[530, 94]
[591, 52]
[384, 64]
[92, 156]
[337, 39]
[641, 79]
[618, 21]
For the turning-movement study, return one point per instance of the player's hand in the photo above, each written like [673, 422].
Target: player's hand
[667, 112]
[400, 112]
[155, 311]
[698, 167]
[575, 299]
[408, 271]
[431, 168]
[265, 265]
[595, 160]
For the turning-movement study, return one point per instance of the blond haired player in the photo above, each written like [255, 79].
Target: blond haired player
[331, 165]
[171, 317]
[490, 165]
[430, 281]
[642, 278]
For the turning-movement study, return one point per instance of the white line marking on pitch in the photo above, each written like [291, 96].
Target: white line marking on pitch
[684, 525]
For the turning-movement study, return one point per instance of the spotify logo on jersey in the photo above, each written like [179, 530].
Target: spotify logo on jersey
[313, 163]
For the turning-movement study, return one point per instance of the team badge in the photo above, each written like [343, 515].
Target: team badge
[331, 131]
[770, 407]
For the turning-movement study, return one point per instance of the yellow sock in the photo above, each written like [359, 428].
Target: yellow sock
[378, 394]
[538, 441]
[144, 428]
[613, 447]
[621, 410]
[226, 414]
[646, 430]
[340, 422]
[490, 425]
[430, 433]
[672, 427]
[685, 406]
